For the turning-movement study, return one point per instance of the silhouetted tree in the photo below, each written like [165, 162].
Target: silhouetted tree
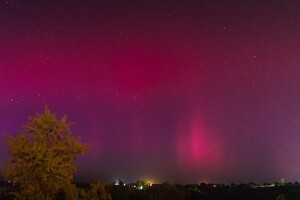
[42, 158]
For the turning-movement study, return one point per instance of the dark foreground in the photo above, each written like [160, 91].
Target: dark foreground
[197, 192]
[168, 191]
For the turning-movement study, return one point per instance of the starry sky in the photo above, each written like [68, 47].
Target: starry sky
[181, 91]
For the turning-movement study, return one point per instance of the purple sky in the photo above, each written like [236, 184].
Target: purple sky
[180, 91]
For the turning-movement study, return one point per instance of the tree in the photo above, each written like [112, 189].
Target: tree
[141, 184]
[280, 182]
[97, 191]
[42, 158]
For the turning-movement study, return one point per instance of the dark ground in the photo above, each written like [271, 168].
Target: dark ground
[168, 191]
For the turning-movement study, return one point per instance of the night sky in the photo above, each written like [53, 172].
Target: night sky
[179, 91]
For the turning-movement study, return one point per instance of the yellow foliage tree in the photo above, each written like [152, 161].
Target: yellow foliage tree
[42, 157]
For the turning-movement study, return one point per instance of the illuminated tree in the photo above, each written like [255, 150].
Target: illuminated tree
[42, 158]
[280, 182]
[141, 184]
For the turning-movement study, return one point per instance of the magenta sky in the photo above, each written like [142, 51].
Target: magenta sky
[181, 91]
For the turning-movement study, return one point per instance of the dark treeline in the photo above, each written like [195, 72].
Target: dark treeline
[167, 191]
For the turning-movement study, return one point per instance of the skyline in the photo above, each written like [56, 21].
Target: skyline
[179, 91]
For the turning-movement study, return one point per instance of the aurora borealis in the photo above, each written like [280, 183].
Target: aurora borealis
[180, 91]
